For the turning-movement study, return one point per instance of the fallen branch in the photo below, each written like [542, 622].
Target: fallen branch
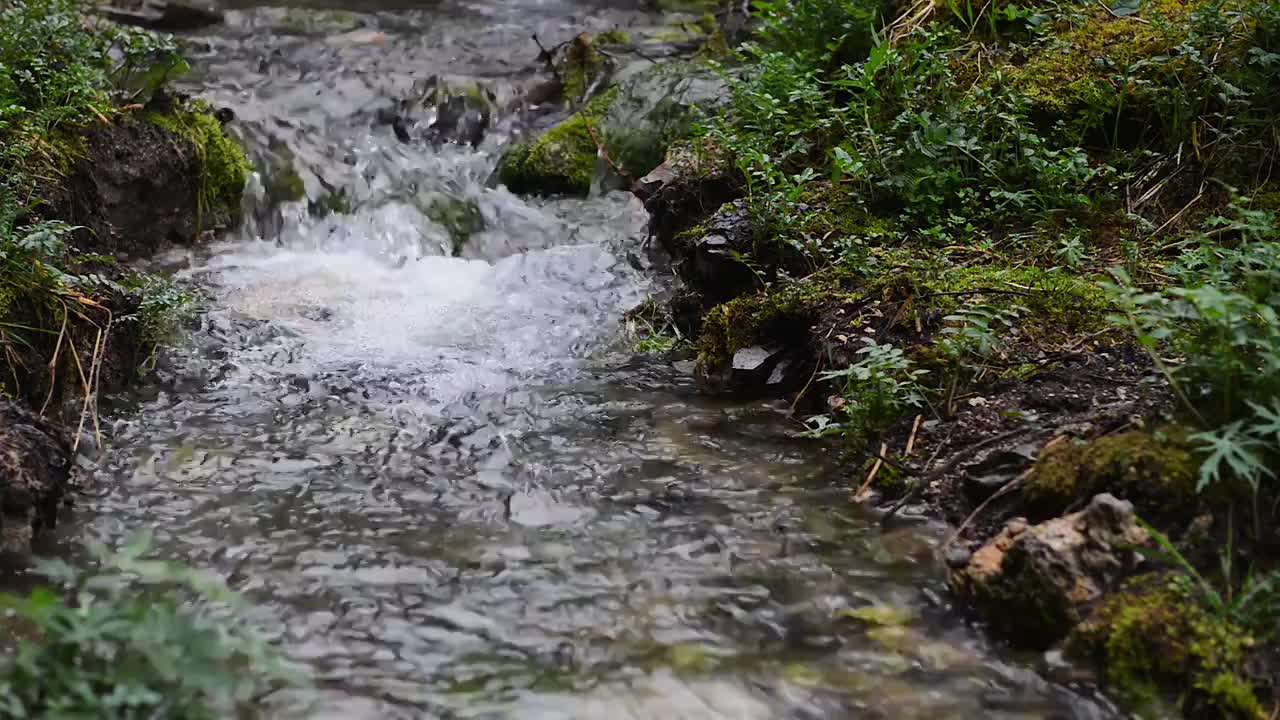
[1005, 489]
[604, 152]
[875, 470]
[945, 468]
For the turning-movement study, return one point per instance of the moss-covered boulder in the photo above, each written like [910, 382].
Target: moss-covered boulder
[624, 130]
[654, 107]
[1155, 639]
[1034, 583]
[560, 161]
[1155, 471]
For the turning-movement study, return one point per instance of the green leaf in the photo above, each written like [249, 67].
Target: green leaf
[1232, 453]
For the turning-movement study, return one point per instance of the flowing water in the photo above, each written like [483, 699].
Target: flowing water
[446, 485]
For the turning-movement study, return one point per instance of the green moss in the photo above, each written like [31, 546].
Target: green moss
[616, 36]
[1048, 305]
[1094, 71]
[1157, 472]
[224, 169]
[560, 161]
[285, 185]
[767, 316]
[582, 66]
[460, 217]
[1155, 637]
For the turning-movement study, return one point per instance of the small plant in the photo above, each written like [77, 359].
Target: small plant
[1221, 323]
[164, 306]
[1252, 606]
[873, 391]
[979, 330]
[142, 639]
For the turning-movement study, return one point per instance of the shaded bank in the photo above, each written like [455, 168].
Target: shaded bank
[986, 264]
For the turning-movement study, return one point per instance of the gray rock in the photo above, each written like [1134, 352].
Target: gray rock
[712, 262]
[653, 104]
[750, 359]
[1036, 582]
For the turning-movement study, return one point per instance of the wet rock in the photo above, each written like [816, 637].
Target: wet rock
[560, 161]
[1036, 582]
[162, 15]
[437, 113]
[687, 188]
[750, 359]
[985, 477]
[711, 262]
[755, 371]
[652, 105]
[620, 130]
[35, 466]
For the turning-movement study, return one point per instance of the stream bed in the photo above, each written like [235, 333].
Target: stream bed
[446, 484]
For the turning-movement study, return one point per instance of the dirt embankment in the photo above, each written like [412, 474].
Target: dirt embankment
[145, 182]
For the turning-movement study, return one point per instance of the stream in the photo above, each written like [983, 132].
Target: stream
[446, 484]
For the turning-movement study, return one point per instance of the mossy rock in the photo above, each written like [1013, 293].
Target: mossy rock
[1155, 471]
[460, 217]
[1092, 72]
[1155, 638]
[779, 316]
[283, 185]
[561, 161]
[223, 167]
[583, 66]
